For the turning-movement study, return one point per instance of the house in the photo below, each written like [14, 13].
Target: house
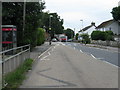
[89, 29]
[110, 25]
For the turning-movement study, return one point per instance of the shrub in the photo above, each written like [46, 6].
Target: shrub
[102, 35]
[85, 38]
[40, 36]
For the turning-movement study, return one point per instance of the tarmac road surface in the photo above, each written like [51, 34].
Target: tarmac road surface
[62, 66]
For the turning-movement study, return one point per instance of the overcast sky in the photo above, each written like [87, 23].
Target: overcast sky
[72, 11]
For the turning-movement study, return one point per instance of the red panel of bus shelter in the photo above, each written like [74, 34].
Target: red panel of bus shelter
[6, 29]
[6, 42]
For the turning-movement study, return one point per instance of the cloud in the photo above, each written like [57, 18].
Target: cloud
[88, 10]
[73, 16]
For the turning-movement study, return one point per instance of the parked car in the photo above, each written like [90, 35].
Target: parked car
[69, 40]
[54, 40]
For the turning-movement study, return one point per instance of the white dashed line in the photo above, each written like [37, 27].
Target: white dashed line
[93, 56]
[81, 51]
[74, 48]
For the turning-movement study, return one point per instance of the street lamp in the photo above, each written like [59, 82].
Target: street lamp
[0, 27]
[50, 22]
[50, 29]
[82, 25]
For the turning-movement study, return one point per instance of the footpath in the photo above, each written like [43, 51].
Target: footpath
[115, 49]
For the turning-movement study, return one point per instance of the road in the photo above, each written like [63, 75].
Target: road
[62, 66]
[108, 56]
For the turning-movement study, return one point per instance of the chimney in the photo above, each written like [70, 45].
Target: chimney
[92, 23]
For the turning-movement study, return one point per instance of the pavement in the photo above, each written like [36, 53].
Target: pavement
[104, 47]
[62, 66]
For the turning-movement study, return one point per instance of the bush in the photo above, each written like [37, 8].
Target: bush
[40, 36]
[98, 35]
[102, 35]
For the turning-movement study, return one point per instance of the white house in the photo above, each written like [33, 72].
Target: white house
[89, 29]
[110, 25]
[119, 3]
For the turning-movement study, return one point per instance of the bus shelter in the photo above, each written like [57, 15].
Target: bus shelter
[9, 37]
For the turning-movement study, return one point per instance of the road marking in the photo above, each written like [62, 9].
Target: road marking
[93, 56]
[103, 60]
[111, 64]
[74, 48]
[44, 58]
[100, 58]
[81, 51]
[75, 44]
[44, 52]
[63, 44]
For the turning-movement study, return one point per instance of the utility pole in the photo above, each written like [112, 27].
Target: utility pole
[1, 65]
[50, 29]
[74, 33]
[24, 10]
[0, 26]
[82, 25]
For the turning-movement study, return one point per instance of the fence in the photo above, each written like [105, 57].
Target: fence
[12, 58]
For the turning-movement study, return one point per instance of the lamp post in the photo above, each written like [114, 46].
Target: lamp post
[0, 26]
[82, 25]
[50, 29]
[1, 65]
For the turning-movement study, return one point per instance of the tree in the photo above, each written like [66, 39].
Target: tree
[85, 38]
[116, 13]
[76, 36]
[55, 23]
[69, 33]
[13, 15]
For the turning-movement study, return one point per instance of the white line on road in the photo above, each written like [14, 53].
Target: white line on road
[75, 44]
[110, 64]
[44, 58]
[74, 48]
[103, 60]
[81, 51]
[44, 52]
[93, 56]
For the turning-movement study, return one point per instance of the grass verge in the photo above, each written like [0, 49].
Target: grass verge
[14, 79]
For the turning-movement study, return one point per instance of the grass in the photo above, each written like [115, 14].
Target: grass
[14, 79]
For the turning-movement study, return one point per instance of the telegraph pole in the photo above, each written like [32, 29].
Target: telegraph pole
[24, 10]
[0, 26]
[1, 65]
